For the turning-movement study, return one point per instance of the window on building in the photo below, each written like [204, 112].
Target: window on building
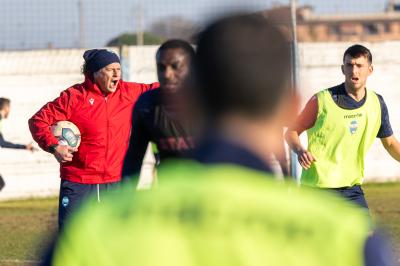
[371, 28]
[334, 30]
[386, 27]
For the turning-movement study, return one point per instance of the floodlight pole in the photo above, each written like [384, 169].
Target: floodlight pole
[294, 166]
[139, 26]
[81, 25]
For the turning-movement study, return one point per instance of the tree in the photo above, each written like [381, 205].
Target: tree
[131, 39]
[174, 27]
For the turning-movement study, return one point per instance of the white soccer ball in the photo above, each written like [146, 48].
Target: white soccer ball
[67, 133]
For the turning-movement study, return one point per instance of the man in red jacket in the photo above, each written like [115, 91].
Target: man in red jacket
[101, 108]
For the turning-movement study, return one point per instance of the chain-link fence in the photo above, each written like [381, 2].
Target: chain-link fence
[42, 43]
[43, 24]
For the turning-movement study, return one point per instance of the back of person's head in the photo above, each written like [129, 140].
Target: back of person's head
[4, 102]
[178, 44]
[243, 66]
[358, 50]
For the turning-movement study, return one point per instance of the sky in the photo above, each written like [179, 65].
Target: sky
[39, 24]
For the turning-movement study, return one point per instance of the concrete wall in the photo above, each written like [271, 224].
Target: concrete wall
[30, 79]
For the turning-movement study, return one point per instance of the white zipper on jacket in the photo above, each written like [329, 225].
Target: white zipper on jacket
[98, 193]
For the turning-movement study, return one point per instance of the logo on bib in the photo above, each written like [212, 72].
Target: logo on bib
[353, 126]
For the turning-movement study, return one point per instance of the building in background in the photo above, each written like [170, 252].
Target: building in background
[371, 27]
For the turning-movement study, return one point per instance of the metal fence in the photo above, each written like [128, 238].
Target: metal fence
[42, 24]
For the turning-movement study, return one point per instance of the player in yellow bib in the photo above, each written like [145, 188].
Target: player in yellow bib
[342, 122]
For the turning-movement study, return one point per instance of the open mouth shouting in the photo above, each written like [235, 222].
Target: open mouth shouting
[114, 83]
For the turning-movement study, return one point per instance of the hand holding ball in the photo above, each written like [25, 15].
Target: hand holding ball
[67, 133]
[69, 139]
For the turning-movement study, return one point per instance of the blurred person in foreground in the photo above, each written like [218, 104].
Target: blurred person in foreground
[226, 209]
[5, 105]
[158, 115]
[101, 108]
[342, 122]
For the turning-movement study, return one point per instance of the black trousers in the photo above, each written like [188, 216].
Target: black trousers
[72, 195]
[353, 194]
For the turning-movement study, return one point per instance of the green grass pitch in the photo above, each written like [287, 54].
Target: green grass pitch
[27, 226]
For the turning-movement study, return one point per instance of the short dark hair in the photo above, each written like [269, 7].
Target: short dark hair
[4, 102]
[242, 66]
[178, 44]
[85, 71]
[358, 50]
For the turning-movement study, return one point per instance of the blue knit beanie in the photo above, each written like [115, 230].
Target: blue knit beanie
[96, 59]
